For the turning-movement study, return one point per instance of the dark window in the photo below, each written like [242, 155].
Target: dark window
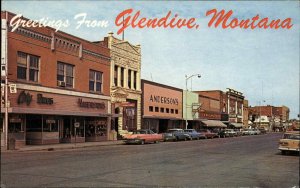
[65, 73]
[95, 81]
[134, 79]
[162, 110]
[167, 110]
[28, 67]
[122, 77]
[176, 111]
[129, 79]
[150, 108]
[116, 75]
[172, 111]
[156, 109]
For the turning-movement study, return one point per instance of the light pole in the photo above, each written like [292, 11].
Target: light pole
[186, 105]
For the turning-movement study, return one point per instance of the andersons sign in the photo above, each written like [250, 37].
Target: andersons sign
[163, 100]
[88, 104]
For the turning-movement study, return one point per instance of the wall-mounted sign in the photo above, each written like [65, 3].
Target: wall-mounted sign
[127, 104]
[85, 104]
[44, 100]
[163, 100]
[24, 98]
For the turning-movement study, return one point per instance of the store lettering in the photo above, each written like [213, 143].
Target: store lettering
[24, 98]
[85, 104]
[163, 100]
[44, 100]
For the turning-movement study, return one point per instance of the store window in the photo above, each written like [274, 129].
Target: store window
[172, 111]
[34, 123]
[150, 108]
[95, 81]
[167, 110]
[162, 110]
[65, 75]
[96, 128]
[28, 67]
[156, 109]
[50, 125]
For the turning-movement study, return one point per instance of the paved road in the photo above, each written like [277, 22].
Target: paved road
[250, 161]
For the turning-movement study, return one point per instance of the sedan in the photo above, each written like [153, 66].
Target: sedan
[209, 134]
[142, 136]
[194, 134]
[176, 134]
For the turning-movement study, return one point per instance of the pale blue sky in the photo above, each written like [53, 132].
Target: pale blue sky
[244, 60]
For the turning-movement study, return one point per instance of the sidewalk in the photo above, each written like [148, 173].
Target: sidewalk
[64, 146]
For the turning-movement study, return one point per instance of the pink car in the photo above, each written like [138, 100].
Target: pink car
[143, 136]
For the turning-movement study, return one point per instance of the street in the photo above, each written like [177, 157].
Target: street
[248, 161]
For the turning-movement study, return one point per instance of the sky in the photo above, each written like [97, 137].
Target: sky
[263, 64]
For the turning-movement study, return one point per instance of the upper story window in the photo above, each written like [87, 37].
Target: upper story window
[129, 78]
[65, 75]
[122, 77]
[116, 75]
[28, 67]
[95, 81]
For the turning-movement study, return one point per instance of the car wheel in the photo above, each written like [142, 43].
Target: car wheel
[143, 142]
[156, 142]
[283, 152]
[185, 138]
[198, 138]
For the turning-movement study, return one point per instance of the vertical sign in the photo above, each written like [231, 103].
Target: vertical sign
[3, 47]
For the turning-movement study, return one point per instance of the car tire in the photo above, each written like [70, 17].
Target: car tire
[185, 138]
[156, 142]
[142, 142]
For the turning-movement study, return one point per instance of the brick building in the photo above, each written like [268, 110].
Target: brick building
[62, 81]
[213, 108]
[162, 107]
[277, 116]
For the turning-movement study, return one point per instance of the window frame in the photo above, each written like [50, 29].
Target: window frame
[95, 81]
[65, 76]
[28, 67]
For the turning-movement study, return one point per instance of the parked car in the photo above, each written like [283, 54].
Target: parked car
[238, 132]
[248, 132]
[175, 135]
[143, 136]
[256, 131]
[230, 132]
[262, 130]
[209, 134]
[194, 134]
[289, 142]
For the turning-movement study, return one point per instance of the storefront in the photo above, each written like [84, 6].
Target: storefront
[50, 118]
[161, 107]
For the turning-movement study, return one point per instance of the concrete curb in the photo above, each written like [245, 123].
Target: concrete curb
[55, 147]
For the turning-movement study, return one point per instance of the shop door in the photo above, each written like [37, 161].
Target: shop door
[163, 125]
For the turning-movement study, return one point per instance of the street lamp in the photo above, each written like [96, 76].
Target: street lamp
[186, 105]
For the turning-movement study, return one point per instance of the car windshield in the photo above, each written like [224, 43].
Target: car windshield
[173, 130]
[291, 136]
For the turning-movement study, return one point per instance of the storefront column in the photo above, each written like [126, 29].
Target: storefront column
[138, 81]
[125, 84]
[112, 72]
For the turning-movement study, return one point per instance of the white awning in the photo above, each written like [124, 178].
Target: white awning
[213, 123]
[237, 125]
